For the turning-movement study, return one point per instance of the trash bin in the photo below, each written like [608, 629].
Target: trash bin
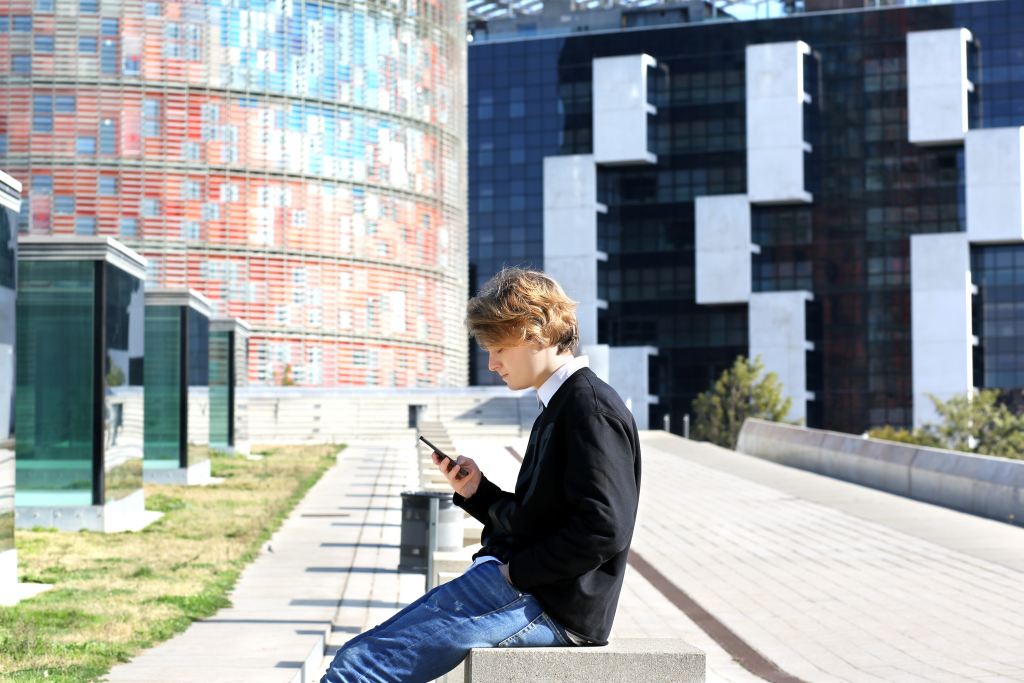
[416, 528]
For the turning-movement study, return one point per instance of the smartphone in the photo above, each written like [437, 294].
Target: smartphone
[462, 470]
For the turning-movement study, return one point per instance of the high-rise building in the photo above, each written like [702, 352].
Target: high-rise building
[838, 192]
[299, 163]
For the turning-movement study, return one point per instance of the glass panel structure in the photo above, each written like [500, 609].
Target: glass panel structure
[221, 390]
[9, 203]
[198, 372]
[164, 397]
[177, 376]
[530, 97]
[228, 411]
[80, 308]
[300, 163]
[56, 412]
[123, 403]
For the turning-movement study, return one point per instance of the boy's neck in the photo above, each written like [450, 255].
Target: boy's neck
[556, 361]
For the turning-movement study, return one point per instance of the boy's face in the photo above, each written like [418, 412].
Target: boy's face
[522, 365]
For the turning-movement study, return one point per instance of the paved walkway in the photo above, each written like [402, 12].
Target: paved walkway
[827, 580]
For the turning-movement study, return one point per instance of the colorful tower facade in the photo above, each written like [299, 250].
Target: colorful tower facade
[302, 164]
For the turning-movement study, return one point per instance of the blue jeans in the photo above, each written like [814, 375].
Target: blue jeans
[431, 636]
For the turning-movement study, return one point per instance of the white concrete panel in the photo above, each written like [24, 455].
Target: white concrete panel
[937, 86]
[12, 592]
[995, 185]
[778, 333]
[599, 356]
[940, 313]
[570, 234]
[723, 248]
[8, 574]
[578, 277]
[775, 123]
[628, 367]
[620, 109]
[570, 181]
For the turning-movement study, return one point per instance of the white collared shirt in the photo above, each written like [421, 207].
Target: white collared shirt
[558, 377]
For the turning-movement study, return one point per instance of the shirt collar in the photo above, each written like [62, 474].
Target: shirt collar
[558, 377]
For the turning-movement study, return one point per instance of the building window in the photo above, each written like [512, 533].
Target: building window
[107, 186]
[3, 143]
[108, 137]
[87, 45]
[129, 227]
[44, 5]
[85, 144]
[109, 27]
[21, 23]
[64, 104]
[42, 114]
[88, 6]
[21, 64]
[190, 189]
[190, 150]
[85, 225]
[151, 118]
[42, 184]
[149, 207]
[64, 204]
[43, 44]
[131, 65]
[108, 56]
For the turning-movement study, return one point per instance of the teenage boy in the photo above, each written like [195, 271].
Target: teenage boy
[554, 552]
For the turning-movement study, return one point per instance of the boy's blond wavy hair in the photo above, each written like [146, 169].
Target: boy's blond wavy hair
[519, 305]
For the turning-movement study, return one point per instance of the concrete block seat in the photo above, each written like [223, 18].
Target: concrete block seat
[640, 659]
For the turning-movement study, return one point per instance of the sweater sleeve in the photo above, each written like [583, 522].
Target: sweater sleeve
[487, 494]
[602, 492]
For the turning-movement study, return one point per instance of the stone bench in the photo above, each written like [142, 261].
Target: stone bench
[632, 659]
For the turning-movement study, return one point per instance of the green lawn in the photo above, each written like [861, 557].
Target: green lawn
[116, 594]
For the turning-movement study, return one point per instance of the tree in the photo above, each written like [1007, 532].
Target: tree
[917, 437]
[978, 423]
[982, 422]
[739, 393]
[286, 376]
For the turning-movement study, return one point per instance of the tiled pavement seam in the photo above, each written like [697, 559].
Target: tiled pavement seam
[286, 600]
[827, 595]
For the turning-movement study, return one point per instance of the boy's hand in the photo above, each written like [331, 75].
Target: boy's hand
[464, 484]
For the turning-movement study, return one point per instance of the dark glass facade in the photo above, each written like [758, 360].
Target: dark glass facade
[998, 273]
[79, 425]
[872, 189]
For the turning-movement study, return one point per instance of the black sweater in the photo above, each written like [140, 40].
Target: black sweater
[566, 530]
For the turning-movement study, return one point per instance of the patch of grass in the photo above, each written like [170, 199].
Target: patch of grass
[117, 594]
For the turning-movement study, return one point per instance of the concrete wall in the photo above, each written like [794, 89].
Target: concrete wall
[570, 234]
[778, 333]
[723, 246]
[940, 320]
[285, 415]
[995, 185]
[628, 376]
[775, 123]
[621, 108]
[937, 86]
[977, 484]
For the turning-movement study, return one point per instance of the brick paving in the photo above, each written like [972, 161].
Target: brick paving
[830, 581]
